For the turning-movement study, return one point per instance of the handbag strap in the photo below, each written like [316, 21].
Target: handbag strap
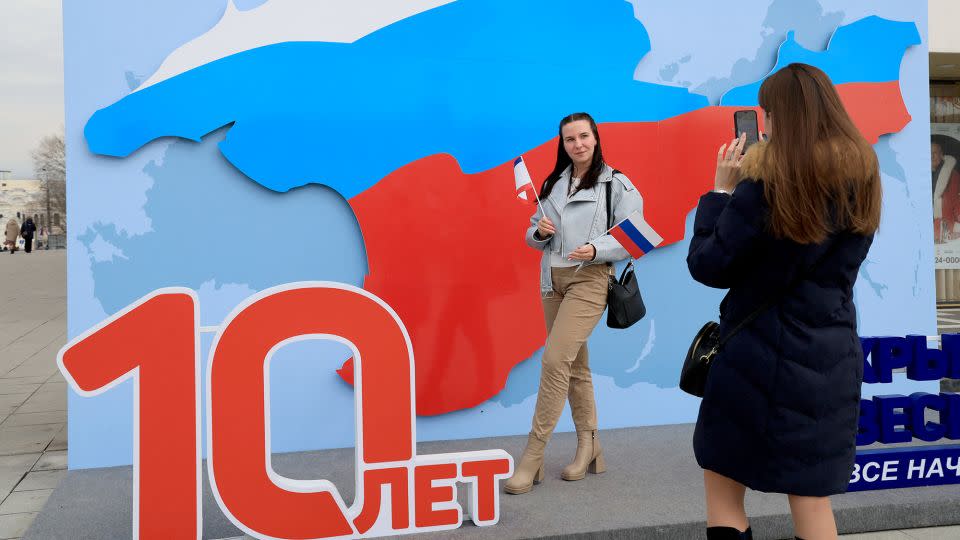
[610, 219]
[609, 197]
[610, 216]
[773, 300]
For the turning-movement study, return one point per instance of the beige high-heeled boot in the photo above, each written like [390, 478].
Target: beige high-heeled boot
[589, 457]
[530, 469]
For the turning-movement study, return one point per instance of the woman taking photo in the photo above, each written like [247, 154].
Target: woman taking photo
[785, 230]
[569, 227]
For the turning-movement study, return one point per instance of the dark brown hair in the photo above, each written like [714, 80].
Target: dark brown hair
[820, 175]
[592, 175]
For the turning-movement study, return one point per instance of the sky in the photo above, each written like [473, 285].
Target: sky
[31, 80]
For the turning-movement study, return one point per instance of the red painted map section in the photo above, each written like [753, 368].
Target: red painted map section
[876, 108]
[446, 249]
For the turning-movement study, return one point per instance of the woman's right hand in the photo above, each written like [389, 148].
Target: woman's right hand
[545, 227]
[729, 159]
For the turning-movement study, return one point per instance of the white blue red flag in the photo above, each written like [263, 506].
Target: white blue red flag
[525, 189]
[636, 235]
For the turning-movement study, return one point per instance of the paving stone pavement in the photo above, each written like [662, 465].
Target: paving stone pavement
[33, 395]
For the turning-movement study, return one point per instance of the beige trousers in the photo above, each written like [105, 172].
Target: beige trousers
[571, 313]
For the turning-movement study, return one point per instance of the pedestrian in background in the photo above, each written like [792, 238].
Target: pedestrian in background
[27, 231]
[785, 230]
[11, 234]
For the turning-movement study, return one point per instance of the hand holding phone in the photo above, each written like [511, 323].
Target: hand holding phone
[729, 159]
[745, 122]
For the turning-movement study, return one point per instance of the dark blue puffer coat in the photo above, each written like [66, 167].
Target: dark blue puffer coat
[782, 399]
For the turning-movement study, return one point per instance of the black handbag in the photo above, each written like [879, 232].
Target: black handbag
[624, 303]
[707, 343]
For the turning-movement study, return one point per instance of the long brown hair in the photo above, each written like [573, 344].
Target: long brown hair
[820, 175]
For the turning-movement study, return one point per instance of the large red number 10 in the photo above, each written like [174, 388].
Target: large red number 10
[156, 342]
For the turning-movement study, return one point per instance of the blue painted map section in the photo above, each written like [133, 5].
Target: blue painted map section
[805, 18]
[346, 115]
[868, 50]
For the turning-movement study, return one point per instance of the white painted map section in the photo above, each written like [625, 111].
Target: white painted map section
[280, 21]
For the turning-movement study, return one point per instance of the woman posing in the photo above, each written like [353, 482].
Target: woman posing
[788, 226]
[569, 227]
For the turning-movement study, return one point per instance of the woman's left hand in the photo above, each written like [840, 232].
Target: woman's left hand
[585, 252]
[729, 159]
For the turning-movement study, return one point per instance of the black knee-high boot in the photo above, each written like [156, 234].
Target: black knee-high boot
[728, 533]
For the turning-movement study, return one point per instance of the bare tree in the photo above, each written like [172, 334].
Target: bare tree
[50, 166]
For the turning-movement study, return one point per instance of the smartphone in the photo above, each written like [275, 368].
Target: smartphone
[745, 121]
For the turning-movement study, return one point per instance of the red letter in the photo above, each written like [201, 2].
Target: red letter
[373, 480]
[154, 341]
[485, 493]
[427, 494]
[256, 498]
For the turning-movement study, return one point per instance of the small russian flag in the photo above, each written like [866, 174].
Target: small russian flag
[525, 189]
[636, 235]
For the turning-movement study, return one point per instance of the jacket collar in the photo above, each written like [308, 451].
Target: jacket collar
[558, 194]
[560, 189]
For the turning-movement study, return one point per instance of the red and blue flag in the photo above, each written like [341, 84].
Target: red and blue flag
[525, 190]
[636, 235]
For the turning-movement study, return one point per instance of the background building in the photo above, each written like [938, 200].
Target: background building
[945, 130]
[22, 197]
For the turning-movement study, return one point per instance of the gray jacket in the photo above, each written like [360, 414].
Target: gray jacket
[582, 219]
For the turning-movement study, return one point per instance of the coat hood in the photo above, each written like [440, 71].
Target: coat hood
[844, 157]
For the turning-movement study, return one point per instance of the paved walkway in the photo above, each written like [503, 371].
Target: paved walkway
[33, 402]
[33, 436]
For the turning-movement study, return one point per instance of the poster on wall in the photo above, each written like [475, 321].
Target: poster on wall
[945, 186]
